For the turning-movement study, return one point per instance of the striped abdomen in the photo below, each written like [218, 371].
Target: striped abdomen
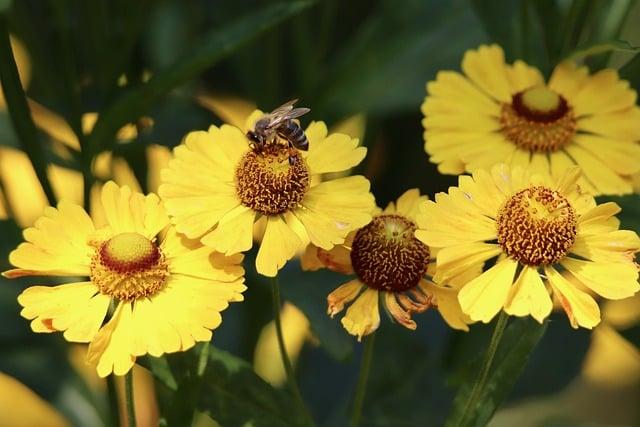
[292, 132]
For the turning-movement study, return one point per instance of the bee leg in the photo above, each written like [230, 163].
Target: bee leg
[293, 156]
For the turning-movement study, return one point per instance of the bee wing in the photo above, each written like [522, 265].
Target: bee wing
[284, 113]
[287, 106]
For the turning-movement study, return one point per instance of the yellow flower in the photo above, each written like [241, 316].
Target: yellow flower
[498, 112]
[537, 229]
[217, 187]
[391, 267]
[169, 291]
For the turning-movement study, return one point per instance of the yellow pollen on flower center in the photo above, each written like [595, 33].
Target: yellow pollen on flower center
[538, 120]
[272, 181]
[537, 226]
[128, 266]
[386, 255]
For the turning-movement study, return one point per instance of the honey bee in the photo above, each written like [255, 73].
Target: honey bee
[280, 123]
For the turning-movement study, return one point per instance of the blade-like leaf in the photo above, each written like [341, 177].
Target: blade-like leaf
[596, 48]
[214, 46]
[19, 110]
[519, 340]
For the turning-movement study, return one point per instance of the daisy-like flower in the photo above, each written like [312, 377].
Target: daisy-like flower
[392, 269]
[168, 291]
[497, 112]
[217, 187]
[545, 236]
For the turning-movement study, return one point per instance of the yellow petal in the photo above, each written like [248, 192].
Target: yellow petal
[21, 407]
[343, 295]
[455, 260]
[127, 211]
[78, 309]
[158, 157]
[487, 69]
[409, 203]
[53, 125]
[460, 122]
[56, 245]
[596, 219]
[451, 220]
[230, 109]
[21, 187]
[484, 296]
[603, 93]
[363, 317]
[623, 125]
[309, 260]
[620, 156]
[337, 259]
[234, 232]
[110, 350]
[567, 79]
[608, 246]
[522, 76]
[267, 361]
[398, 313]
[494, 148]
[581, 309]
[332, 209]
[189, 257]
[316, 132]
[450, 85]
[446, 299]
[608, 279]
[279, 245]
[337, 152]
[529, 297]
[599, 174]
[354, 126]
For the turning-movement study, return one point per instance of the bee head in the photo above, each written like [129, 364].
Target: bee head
[254, 137]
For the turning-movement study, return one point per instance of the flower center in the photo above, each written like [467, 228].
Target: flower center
[538, 119]
[386, 255]
[128, 266]
[272, 181]
[537, 226]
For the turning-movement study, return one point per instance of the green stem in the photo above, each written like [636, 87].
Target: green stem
[365, 367]
[291, 379]
[481, 381]
[128, 397]
[19, 110]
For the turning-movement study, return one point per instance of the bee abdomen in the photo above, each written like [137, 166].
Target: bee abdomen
[293, 133]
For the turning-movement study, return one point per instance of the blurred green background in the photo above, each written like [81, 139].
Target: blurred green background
[112, 85]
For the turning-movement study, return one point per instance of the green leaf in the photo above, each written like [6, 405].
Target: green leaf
[630, 215]
[518, 26]
[214, 46]
[19, 110]
[519, 340]
[596, 48]
[5, 5]
[380, 70]
[229, 391]
[631, 71]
